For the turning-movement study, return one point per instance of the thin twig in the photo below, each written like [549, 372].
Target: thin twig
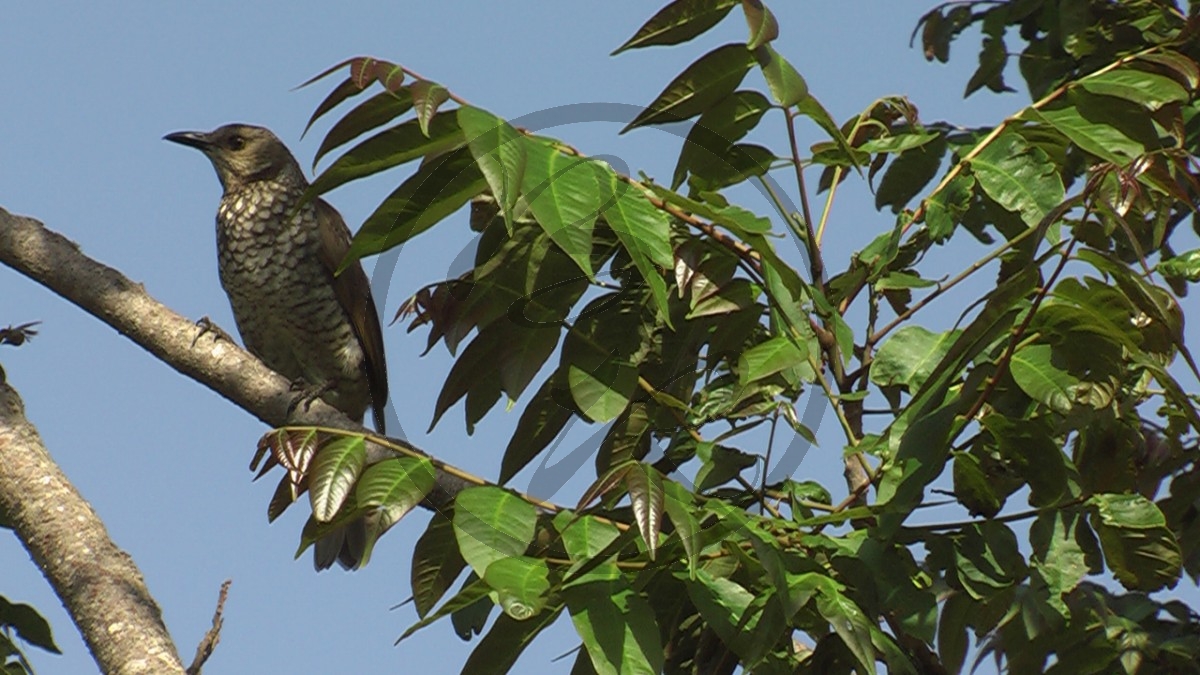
[213, 636]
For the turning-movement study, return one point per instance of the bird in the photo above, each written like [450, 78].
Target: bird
[277, 259]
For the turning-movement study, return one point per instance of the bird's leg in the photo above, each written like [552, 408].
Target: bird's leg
[308, 393]
[208, 326]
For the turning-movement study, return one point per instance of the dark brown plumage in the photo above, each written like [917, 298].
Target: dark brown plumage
[277, 266]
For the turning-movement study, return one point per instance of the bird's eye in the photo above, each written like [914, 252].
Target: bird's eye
[236, 143]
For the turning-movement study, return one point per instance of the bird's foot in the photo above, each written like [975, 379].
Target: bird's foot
[207, 326]
[308, 393]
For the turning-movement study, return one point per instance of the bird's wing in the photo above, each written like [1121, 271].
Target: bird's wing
[354, 293]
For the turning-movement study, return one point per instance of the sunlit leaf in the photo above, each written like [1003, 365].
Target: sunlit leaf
[1019, 177]
[491, 524]
[333, 473]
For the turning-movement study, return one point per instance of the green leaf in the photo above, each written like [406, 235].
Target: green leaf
[910, 355]
[987, 559]
[1029, 447]
[387, 149]
[474, 591]
[603, 393]
[709, 79]
[720, 464]
[599, 355]
[645, 485]
[563, 196]
[374, 112]
[617, 627]
[1146, 89]
[543, 419]
[585, 536]
[491, 524]
[850, 624]
[436, 563]
[348, 88]
[522, 584]
[679, 21]
[1019, 177]
[390, 489]
[993, 57]
[500, 151]
[1059, 558]
[952, 631]
[1037, 376]
[719, 127]
[761, 22]
[724, 604]
[528, 349]
[770, 357]
[474, 371]
[944, 209]
[679, 504]
[786, 84]
[438, 189]
[908, 174]
[898, 281]
[973, 488]
[740, 163]
[1182, 266]
[898, 142]
[811, 108]
[333, 473]
[643, 230]
[29, 625]
[1139, 548]
[427, 98]
[498, 651]
[469, 621]
[737, 295]
[395, 483]
[1109, 128]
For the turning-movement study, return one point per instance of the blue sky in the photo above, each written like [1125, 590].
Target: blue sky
[88, 94]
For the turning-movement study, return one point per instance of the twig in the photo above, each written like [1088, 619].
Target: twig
[213, 636]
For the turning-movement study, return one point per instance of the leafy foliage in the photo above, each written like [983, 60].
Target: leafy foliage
[669, 316]
[21, 623]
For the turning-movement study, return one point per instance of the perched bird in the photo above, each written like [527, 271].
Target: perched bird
[277, 266]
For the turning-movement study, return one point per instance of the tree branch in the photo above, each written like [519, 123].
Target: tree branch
[56, 262]
[97, 582]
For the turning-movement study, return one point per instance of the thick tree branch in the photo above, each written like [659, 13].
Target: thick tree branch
[57, 263]
[97, 582]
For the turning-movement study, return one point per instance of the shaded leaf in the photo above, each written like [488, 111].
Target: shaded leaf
[427, 98]
[679, 21]
[436, 563]
[719, 127]
[1139, 548]
[709, 79]
[369, 114]
[436, 190]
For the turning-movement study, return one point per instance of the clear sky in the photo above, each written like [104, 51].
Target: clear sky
[86, 94]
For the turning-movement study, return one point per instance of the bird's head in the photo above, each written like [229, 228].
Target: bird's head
[243, 154]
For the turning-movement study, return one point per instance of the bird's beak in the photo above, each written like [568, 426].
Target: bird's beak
[195, 139]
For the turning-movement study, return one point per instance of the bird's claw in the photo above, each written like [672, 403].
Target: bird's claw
[207, 326]
[307, 393]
